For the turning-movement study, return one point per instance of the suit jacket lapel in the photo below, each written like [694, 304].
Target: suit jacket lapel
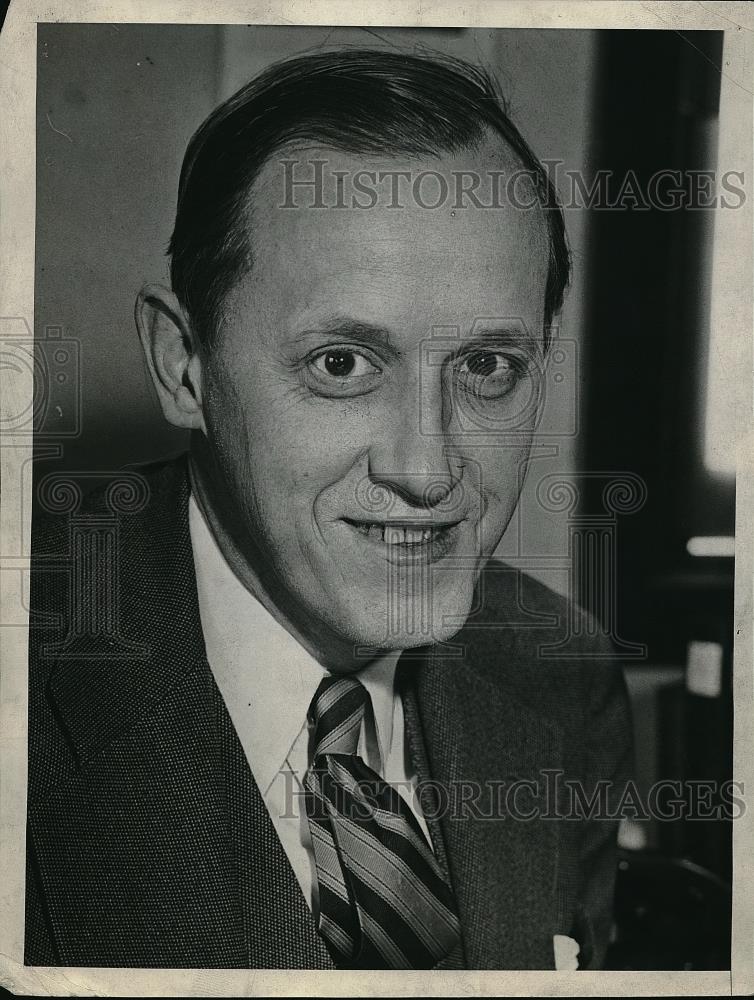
[278, 925]
[476, 732]
[148, 841]
[135, 849]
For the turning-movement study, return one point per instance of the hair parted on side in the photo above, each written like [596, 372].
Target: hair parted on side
[368, 101]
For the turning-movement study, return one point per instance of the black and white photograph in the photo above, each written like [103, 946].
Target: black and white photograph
[377, 488]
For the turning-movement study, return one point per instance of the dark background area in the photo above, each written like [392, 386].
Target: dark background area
[647, 335]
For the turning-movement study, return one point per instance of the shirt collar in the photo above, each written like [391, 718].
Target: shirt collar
[265, 675]
[378, 677]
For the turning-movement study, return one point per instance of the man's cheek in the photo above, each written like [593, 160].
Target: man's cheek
[499, 490]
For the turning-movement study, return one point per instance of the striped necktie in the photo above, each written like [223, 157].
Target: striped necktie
[383, 900]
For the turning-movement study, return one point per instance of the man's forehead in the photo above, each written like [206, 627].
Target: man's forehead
[327, 208]
[405, 267]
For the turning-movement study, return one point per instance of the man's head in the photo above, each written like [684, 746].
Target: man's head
[361, 355]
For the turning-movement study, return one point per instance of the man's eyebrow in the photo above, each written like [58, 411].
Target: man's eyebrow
[347, 329]
[513, 335]
[514, 332]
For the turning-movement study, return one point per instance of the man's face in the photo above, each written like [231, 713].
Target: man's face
[371, 397]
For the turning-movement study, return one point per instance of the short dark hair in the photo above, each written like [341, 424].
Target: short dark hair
[366, 101]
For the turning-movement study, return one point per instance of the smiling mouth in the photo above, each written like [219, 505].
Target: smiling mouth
[410, 537]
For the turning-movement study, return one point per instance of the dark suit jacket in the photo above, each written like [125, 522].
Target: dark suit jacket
[149, 843]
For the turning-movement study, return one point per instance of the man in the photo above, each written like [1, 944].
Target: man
[319, 726]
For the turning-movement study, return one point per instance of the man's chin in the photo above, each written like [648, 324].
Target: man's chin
[403, 628]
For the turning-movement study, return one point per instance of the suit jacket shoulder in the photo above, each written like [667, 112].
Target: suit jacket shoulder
[542, 645]
[99, 568]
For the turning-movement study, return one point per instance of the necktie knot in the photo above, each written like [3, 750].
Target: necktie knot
[337, 712]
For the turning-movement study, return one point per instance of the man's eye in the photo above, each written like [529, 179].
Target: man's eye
[488, 374]
[343, 364]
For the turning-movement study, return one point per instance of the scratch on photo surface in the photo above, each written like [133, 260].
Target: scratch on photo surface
[49, 122]
[740, 27]
[688, 41]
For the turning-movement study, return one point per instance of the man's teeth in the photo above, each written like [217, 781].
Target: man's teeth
[392, 535]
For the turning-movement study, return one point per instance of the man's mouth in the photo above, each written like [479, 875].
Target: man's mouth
[431, 540]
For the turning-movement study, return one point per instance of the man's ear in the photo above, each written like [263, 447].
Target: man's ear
[172, 354]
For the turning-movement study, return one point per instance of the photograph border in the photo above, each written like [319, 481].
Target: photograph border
[18, 57]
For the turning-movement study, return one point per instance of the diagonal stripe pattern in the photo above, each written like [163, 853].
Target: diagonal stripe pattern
[383, 900]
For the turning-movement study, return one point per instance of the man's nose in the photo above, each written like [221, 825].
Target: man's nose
[410, 454]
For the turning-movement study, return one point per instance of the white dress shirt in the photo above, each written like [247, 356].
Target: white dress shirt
[267, 680]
